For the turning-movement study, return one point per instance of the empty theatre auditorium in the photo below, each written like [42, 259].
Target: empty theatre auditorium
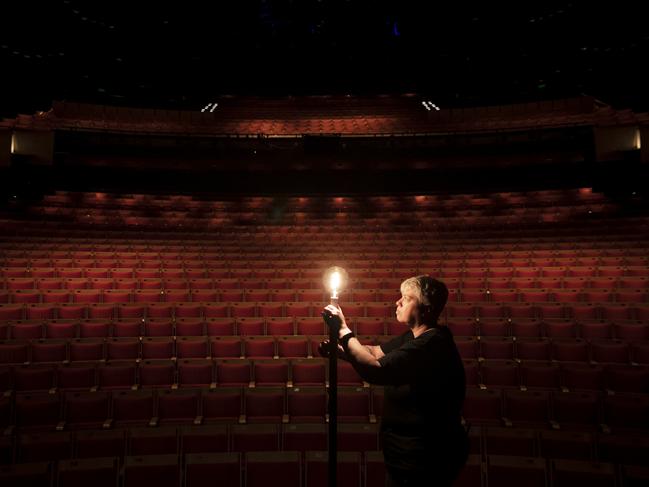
[228, 234]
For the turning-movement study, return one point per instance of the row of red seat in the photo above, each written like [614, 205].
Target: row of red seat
[485, 373]
[57, 350]
[253, 469]
[287, 255]
[185, 439]
[103, 409]
[560, 210]
[236, 231]
[59, 246]
[62, 253]
[225, 253]
[529, 224]
[186, 327]
[172, 268]
[181, 327]
[548, 196]
[288, 251]
[388, 233]
[579, 311]
[91, 244]
[66, 248]
[221, 438]
[522, 329]
[535, 408]
[125, 292]
[79, 244]
[12, 312]
[373, 290]
[309, 469]
[204, 290]
[356, 208]
[600, 350]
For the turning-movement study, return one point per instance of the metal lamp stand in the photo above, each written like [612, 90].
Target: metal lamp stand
[333, 401]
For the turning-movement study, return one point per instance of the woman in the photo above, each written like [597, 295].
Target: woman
[424, 442]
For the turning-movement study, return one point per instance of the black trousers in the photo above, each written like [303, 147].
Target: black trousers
[412, 462]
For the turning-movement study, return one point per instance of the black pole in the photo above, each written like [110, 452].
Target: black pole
[333, 402]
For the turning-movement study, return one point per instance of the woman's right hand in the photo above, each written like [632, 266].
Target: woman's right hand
[325, 346]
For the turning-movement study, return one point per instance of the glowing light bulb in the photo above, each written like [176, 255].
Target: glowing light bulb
[335, 280]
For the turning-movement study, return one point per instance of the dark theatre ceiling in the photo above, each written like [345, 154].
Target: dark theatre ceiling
[183, 55]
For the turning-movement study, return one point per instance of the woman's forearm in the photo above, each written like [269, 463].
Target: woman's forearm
[359, 353]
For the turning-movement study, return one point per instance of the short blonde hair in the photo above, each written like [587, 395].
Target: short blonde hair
[413, 284]
[430, 293]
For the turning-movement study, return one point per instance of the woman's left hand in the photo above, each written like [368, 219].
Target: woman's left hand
[336, 311]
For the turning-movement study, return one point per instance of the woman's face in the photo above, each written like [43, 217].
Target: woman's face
[407, 308]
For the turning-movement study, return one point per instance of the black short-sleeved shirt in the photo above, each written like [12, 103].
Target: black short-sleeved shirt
[424, 379]
[424, 391]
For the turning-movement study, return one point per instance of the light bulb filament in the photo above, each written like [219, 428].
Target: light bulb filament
[334, 283]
